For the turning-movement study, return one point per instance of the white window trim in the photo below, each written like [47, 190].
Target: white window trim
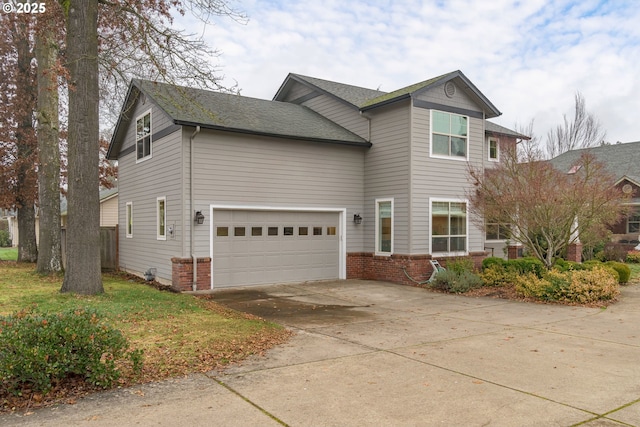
[440, 156]
[128, 214]
[159, 236]
[497, 159]
[377, 216]
[485, 232]
[633, 208]
[149, 112]
[466, 249]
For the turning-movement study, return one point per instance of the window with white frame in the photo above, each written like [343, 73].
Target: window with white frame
[494, 150]
[161, 205]
[633, 222]
[449, 134]
[384, 226]
[129, 219]
[143, 136]
[497, 231]
[448, 226]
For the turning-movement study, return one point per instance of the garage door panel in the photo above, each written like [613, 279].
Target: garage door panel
[305, 247]
[301, 246]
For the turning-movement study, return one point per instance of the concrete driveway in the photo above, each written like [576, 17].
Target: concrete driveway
[374, 353]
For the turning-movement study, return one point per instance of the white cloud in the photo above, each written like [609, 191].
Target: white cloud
[528, 57]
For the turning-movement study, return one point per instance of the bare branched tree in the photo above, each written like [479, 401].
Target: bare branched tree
[546, 209]
[583, 131]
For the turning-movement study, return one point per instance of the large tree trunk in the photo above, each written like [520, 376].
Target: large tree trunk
[27, 249]
[82, 273]
[26, 153]
[49, 253]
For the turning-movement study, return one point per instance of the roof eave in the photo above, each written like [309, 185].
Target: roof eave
[362, 143]
[386, 102]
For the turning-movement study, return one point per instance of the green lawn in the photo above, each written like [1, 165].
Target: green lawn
[178, 333]
[8, 254]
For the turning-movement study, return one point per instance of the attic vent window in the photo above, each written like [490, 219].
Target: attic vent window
[574, 169]
[449, 89]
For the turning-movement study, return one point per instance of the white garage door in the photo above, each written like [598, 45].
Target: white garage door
[262, 247]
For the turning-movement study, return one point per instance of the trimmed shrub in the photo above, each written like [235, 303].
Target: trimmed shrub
[526, 265]
[532, 286]
[581, 286]
[491, 261]
[564, 265]
[496, 275]
[460, 265]
[591, 286]
[633, 257]
[455, 282]
[5, 239]
[623, 270]
[37, 350]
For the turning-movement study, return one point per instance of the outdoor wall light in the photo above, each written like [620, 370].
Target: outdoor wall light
[357, 218]
[199, 218]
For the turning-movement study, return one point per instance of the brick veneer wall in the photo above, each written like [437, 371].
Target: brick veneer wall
[574, 252]
[396, 268]
[182, 273]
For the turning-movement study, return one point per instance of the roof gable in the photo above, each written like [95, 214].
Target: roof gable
[214, 110]
[352, 95]
[366, 99]
[415, 89]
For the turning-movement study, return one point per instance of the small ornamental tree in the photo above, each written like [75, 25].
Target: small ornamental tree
[546, 209]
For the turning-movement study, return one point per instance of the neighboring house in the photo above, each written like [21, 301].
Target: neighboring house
[622, 161]
[12, 224]
[108, 213]
[108, 208]
[326, 181]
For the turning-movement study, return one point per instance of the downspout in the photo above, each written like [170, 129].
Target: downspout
[194, 285]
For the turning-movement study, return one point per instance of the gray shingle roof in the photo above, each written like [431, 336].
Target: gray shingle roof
[403, 92]
[365, 99]
[354, 95]
[491, 127]
[621, 160]
[215, 110]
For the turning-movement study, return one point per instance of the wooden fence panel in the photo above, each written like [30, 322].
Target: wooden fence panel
[108, 247]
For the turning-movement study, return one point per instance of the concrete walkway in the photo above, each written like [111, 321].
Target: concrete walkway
[374, 353]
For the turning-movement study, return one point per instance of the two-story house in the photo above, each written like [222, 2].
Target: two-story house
[325, 181]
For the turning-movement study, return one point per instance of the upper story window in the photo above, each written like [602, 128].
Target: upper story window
[143, 136]
[449, 135]
[494, 150]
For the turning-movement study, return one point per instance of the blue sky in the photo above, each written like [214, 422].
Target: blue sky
[528, 57]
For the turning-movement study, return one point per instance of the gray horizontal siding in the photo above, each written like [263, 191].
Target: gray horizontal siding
[340, 113]
[297, 91]
[387, 173]
[236, 169]
[440, 178]
[459, 100]
[141, 184]
[159, 120]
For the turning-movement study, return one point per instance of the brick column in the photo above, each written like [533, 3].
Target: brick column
[512, 251]
[574, 252]
[182, 273]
